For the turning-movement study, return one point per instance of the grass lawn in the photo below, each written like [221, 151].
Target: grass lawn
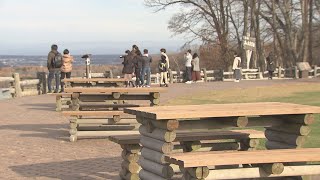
[302, 93]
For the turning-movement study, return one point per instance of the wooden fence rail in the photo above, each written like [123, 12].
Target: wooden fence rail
[20, 88]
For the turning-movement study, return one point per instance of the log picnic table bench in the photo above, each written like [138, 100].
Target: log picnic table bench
[94, 82]
[63, 100]
[189, 142]
[98, 112]
[287, 126]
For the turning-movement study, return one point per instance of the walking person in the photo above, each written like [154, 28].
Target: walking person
[163, 69]
[188, 59]
[146, 70]
[237, 67]
[270, 65]
[128, 68]
[66, 67]
[54, 64]
[137, 60]
[195, 68]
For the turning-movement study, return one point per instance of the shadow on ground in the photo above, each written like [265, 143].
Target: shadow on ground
[51, 131]
[77, 169]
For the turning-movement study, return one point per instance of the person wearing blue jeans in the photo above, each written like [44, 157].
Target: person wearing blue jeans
[146, 70]
[53, 72]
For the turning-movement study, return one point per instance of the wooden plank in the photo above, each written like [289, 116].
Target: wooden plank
[197, 136]
[222, 110]
[257, 172]
[113, 90]
[104, 133]
[92, 113]
[94, 80]
[200, 159]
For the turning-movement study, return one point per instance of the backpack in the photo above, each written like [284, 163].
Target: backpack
[57, 61]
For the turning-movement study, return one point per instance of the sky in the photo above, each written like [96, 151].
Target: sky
[29, 27]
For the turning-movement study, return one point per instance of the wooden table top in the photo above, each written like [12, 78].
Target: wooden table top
[221, 110]
[114, 90]
[85, 80]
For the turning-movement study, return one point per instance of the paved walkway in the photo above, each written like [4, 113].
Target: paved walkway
[34, 138]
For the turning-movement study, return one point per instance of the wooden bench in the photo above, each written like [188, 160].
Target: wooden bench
[63, 100]
[94, 82]
[264, 163]
[84, 124]
[197, 141]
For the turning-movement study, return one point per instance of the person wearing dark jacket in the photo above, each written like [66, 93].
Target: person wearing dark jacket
[146, 70]
[53, 72]
[270, 65]
[137, 60]
[128, 67]
[163, 69]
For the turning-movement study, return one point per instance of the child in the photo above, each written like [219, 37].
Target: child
[163, 68]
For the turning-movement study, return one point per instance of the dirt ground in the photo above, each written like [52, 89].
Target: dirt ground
[34, 143]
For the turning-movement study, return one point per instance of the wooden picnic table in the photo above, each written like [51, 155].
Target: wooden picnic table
[103, 107]
[94, 82]
[287, 126]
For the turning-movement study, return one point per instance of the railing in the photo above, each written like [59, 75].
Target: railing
[20, 88]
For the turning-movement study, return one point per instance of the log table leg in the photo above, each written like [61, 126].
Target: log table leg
[156, 142]
[73, 128]
[58, 103]
[130, 166]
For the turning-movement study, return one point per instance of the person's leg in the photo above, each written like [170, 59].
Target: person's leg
[50, 78]
[198, 75]
[161, 78]
[63, 75]
[68, 75]
[57, 77]
[165, 74]
[189, 73]
[148, 71]
[143, 75]
[193, 75]
[138, 73]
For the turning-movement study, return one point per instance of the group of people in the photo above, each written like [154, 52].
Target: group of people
[59, 66]
[138, 64]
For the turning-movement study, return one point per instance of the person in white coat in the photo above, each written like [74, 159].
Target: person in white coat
[188, 64]
[237, 67]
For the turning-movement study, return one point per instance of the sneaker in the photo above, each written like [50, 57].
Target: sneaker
[56, 91]
[147, 86]
[62, 91]
[188, 82]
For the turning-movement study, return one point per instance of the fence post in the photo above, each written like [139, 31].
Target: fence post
[205, 74]
[315, 70]
[16, 84]
[108, 74]
[42, 82]
[296, 75]
[171, 76]
[279, 72]
[222, 74]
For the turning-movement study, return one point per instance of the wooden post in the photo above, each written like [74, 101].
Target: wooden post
[315, 70]
[17, 87]
[296, 72]
[171, 76]
[279, 72]
[205, 74]
[221, 75]
[43, 82]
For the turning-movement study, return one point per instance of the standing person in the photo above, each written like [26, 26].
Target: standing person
[66, 67]
[163, 52]
[54, 70]
[163, 69]
[146, 70]
[137, 60]
[195, 68]
[188, 59]
[237, 67]
[270, 65]
[128, 68]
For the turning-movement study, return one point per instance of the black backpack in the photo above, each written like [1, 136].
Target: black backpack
[57, 61]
